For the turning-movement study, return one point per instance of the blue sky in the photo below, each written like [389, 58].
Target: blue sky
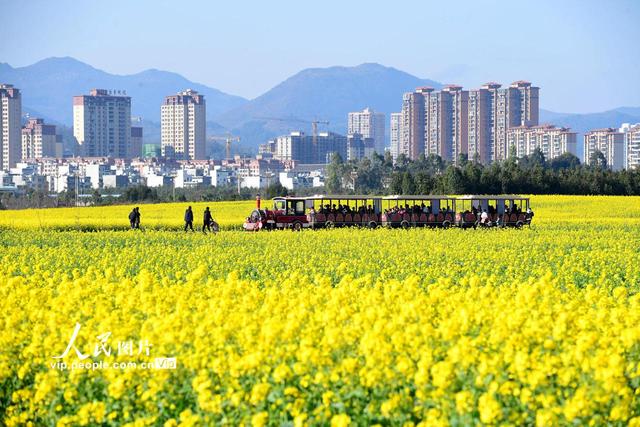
[585, 55]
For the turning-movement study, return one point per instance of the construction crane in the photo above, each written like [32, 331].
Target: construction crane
[314, 124]
[227, 140]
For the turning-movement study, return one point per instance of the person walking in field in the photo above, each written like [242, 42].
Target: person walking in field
[132, 218]
[137, 219]
[188, 219]
[207, 220]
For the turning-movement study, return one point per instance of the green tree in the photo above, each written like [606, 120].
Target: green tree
[598, 160]
[408, 186]
[396, 183]
[335, 172]
[565, 161]
[276, 190]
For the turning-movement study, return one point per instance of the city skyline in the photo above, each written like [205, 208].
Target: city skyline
[565, 55]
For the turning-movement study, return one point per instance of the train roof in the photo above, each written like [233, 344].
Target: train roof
[329, 197]
[405, 197]
[494, 197]
[418, 197]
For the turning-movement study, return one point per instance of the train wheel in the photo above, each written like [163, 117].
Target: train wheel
[519, 224]
[297, 226]
[372, 224]
[446, 224]
[329, 224]
[405, 224]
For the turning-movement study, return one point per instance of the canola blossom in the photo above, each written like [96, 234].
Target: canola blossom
[342, 327]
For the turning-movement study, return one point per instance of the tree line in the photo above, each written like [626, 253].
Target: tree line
[381, 175]
[430, 174]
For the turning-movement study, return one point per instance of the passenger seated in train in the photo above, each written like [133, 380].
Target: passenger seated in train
[484, 217]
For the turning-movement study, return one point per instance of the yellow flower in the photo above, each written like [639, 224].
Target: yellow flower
[341, 420]
[259, 419]
[489, 407]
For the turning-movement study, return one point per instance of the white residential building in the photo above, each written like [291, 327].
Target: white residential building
[369, 124]
[10, 128]
[221, 176]
[183, 126]
[102, 124]
[632, 145]
[552, 141]
[609, 142]
[38, 140]
[294, 181]
[395, 134]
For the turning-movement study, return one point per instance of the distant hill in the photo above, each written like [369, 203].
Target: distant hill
[322, 94]
[49, 85]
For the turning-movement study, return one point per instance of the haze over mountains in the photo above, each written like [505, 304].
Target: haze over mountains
[312, 94]
[48, 87]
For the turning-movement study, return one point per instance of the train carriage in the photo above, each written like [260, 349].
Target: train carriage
[493, 211]
[344, 211]
[418, 211]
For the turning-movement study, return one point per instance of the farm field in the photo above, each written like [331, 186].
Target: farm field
[539, 326]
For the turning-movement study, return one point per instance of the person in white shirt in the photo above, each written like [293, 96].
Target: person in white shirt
[484, 217]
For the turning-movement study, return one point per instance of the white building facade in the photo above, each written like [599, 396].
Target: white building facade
[369, 124]
[10, 127]
[38, 140]
[609, 142]
[102, 124]
[551, 140]
[183, 126]
[395, 134]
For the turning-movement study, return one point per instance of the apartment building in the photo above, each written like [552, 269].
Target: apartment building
[369, 124]
[493, 111]
[102, 123]
[10, 126]
[610, 142]
[449, 137]
[435, 122]
[632, 145]
[183, 126]
[412, 141]
[38, 140]
[551, 140]
[299, 147]
[395, 134]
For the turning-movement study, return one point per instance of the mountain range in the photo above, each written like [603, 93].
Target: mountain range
[48, 87]
[325, 94]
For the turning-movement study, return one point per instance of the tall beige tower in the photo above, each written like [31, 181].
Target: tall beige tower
[10, 129]
[102, 123]
[412, 125]
[183, 118]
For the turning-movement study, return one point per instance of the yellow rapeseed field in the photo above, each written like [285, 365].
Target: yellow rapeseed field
[154, 216]
[539, 326]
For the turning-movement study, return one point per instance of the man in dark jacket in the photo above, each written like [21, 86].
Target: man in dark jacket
[132, 218]
[207, 220]
[137, 225]
[188, 219]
